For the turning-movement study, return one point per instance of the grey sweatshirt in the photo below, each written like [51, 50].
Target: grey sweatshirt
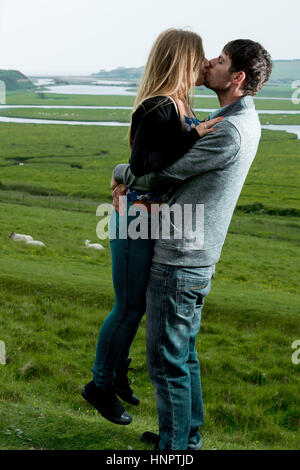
[211, 174]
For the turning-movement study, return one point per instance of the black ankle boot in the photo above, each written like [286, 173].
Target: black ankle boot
[122, 387]
[106, 402]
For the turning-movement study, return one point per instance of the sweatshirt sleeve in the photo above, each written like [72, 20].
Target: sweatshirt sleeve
[159, 140]
[212, 152]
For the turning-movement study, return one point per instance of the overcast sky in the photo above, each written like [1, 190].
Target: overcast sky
[83, 36]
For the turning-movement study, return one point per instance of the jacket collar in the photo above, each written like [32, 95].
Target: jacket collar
[245, 103]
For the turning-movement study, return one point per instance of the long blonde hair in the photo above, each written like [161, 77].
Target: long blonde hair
[172, 68]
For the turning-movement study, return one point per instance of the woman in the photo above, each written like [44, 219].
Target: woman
[163, 128]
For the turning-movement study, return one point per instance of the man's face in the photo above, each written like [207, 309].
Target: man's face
[218, 77]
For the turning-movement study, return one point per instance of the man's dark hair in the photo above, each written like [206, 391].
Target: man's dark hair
[250, 57]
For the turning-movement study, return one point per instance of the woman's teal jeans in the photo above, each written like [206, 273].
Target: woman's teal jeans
[131, 262]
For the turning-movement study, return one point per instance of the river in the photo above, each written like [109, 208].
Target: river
[292, 129]
[90, 90]
[206, 110]
[121, 90]
[54, 121]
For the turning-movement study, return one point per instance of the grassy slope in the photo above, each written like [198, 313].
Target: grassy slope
[280, 91]
[70, 114]
[103, 100]
[53, 301]
[120, 115]
[15, 80]
[49, 151]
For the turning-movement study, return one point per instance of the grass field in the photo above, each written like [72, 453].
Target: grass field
[54, 299]
[277, 91]
[114, 100]
[283, 91]
[120, 115]
[274, 91]
[78, 162]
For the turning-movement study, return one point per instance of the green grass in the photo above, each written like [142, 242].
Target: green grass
[265, 104]
[120, 115]
[273, 179]
[279, 91]
[281, 119]
[66, 99]
[78, 162]
[74, 161]
[113, 100]
[54, 299]
[70, 114]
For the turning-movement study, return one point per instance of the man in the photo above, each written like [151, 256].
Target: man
[212, 173]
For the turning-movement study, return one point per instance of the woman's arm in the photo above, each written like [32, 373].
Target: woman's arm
[214, 152]
[159, 139]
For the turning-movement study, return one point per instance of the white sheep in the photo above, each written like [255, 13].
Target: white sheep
[19, 237]
[96, 246]
[35, 242]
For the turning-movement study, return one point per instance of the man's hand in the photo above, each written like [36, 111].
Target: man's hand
[119, 194]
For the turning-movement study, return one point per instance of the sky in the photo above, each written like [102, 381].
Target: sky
[69, 37]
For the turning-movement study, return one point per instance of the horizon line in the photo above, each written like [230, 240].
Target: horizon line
[85, 73]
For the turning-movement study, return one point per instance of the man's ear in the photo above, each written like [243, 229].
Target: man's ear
[239, 78]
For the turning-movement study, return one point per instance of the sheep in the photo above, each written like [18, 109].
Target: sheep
[96, 246]
[35, 242]
[19, 237]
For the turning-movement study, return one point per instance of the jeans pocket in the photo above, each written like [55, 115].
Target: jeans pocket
[158, 271]
[190, 294]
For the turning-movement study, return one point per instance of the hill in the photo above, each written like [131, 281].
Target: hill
[284, 72]
[15, 80]
[120, 73]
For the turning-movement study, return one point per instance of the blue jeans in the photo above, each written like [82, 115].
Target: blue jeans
[131, 261]
[175, 297]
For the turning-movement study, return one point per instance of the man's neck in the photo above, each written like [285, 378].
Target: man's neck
[226, 98]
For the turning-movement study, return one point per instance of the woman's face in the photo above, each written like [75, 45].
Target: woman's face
[203, 71]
